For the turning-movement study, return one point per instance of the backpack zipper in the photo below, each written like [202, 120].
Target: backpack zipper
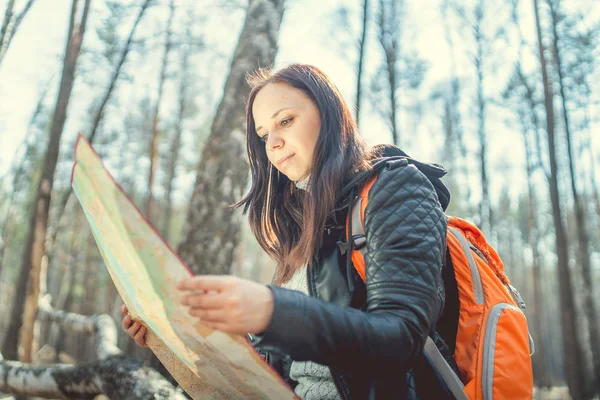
[477, 285]
[489, 347]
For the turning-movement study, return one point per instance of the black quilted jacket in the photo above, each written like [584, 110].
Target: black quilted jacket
[371, 336]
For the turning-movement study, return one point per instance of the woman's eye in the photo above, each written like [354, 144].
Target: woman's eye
[286, 121]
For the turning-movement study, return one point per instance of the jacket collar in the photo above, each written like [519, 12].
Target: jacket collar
[384, 154]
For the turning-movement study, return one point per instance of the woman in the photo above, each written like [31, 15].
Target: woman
[326, 332]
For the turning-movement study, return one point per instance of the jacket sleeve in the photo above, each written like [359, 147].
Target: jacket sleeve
[405, 228]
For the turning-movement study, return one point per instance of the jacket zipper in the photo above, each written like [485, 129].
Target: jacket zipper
[312, 292]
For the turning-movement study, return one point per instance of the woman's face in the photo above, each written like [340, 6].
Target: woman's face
[288, 122]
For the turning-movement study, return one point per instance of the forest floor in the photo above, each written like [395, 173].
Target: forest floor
[555, 393]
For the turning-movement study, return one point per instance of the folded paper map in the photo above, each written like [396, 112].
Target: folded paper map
[207, 364]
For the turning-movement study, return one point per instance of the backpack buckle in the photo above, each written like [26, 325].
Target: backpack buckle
[517, 297]
[343, 246]
[358, 241]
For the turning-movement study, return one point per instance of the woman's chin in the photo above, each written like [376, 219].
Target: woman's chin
[297, 177]
[291, 175]
[294, 176]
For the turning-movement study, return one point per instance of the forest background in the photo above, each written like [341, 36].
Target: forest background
[506, 95]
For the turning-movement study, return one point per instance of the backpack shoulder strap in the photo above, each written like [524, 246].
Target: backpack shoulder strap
[356, 222]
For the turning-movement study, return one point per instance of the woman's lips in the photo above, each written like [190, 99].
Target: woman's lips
[282, 162]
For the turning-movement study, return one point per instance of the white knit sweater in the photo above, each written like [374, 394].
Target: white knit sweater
[314, 380]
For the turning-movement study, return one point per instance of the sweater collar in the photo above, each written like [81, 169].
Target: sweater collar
[303, 184]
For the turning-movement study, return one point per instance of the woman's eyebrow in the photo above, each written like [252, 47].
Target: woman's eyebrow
[275, 114]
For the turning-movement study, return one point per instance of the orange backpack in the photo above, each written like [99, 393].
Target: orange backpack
[493, 345]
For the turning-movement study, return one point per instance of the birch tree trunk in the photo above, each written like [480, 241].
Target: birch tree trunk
[573, 353]
[212, 230]
[25, 305]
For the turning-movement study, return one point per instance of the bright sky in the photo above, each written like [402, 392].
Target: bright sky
[37, 50]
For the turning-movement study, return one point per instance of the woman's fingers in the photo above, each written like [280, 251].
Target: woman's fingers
[218, 326]
[133, 330]
[208, 315]
[124, 309]
[126, 323]
[140, 337]
[207, 283]
[228, 303]
[204, 300]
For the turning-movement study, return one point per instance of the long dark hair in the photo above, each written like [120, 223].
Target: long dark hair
[289, 222]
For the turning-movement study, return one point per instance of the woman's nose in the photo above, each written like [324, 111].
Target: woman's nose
[274, 141]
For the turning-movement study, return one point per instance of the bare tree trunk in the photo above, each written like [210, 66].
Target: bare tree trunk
[155, 139]
[485, 207]
[90, 285]
[389, 38]
[593, 184]
[362, 45]
[19, 174]
[176, 140]
[8, 14]
[5, 37]
[572, 348]
[582, 229]
[533, 237]
[66, 269]
[5, 238]
[455, 112]
[212, 230]
[530, 97]
[60, 336]
[151, 211]
[100, 112]
[23, 315]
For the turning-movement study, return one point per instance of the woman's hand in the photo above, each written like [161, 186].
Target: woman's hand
[134, 329]
[228, 303]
